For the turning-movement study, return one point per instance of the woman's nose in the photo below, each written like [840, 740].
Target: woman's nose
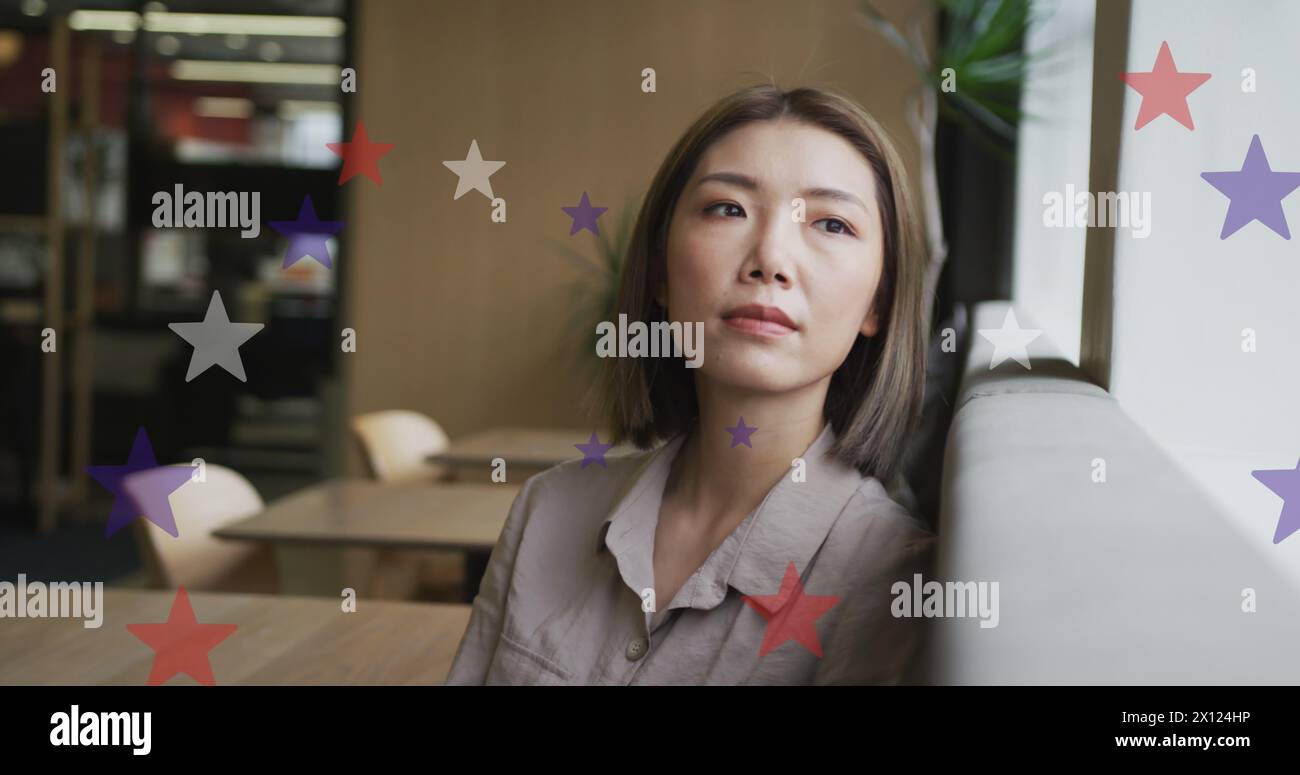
[771, 258]
[777, 276]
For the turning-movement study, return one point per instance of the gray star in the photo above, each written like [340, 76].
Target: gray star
[216, 340]
[473, 172]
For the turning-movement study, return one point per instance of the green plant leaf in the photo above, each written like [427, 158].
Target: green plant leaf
[876, 21]
[594, 293]
[981, 42]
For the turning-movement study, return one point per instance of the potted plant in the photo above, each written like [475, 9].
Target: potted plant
[973, 80]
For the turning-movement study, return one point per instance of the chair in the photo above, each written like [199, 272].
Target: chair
[194, 559]
[1137, 577]
[396, 445]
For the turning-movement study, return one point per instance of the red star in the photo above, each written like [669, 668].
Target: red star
[1165, 90]
[181, 644]
[360, 157]
[790, 614]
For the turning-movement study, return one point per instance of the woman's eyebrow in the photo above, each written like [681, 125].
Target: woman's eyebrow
[750, 184]
[836, 194]
[734, 178]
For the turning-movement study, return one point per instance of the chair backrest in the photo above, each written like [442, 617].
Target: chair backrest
[1133, 579]
[194, 558]
[397, 443]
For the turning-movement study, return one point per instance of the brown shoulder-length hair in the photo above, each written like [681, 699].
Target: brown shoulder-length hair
[873, 402]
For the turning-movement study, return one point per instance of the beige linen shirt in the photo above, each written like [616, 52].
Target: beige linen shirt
[562, 599]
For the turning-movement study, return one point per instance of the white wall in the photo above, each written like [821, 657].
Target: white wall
[1053, 152]
[1183, 296]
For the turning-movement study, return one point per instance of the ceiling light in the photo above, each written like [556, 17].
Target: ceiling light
[270, 51]
[254, 72]
[209, 23]
[11, 47]
[223, 107]
[167, 45]
[112, 21]
[292, 109]
[245, 24]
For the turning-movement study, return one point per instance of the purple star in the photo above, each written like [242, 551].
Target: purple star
[307, 236]
[584, 216]
[740, 434]
[145, 496]
[1286, 483]
[593, 451]
[1256, 192]
[149, 490]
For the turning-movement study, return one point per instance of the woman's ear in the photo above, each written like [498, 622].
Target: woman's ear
[871, 325]
[661, 295]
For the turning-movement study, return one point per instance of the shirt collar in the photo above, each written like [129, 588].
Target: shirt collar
[788, 526]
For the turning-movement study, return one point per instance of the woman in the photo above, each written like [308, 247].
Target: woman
[757, 543]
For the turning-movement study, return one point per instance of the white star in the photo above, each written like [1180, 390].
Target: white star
[473, 172]
[1010, 340]
[216, 340]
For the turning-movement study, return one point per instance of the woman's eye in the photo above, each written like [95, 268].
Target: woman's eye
[835, 226]
[729, 209]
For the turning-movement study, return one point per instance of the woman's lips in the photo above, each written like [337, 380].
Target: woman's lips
[756, 326]
[757, 319]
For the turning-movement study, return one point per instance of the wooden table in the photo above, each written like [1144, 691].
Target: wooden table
[280, 640]
[531, 449]
[311, 529]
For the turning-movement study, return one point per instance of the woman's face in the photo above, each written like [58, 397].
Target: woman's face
[782, 299]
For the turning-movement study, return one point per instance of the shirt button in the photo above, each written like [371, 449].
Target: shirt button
[636, 649]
